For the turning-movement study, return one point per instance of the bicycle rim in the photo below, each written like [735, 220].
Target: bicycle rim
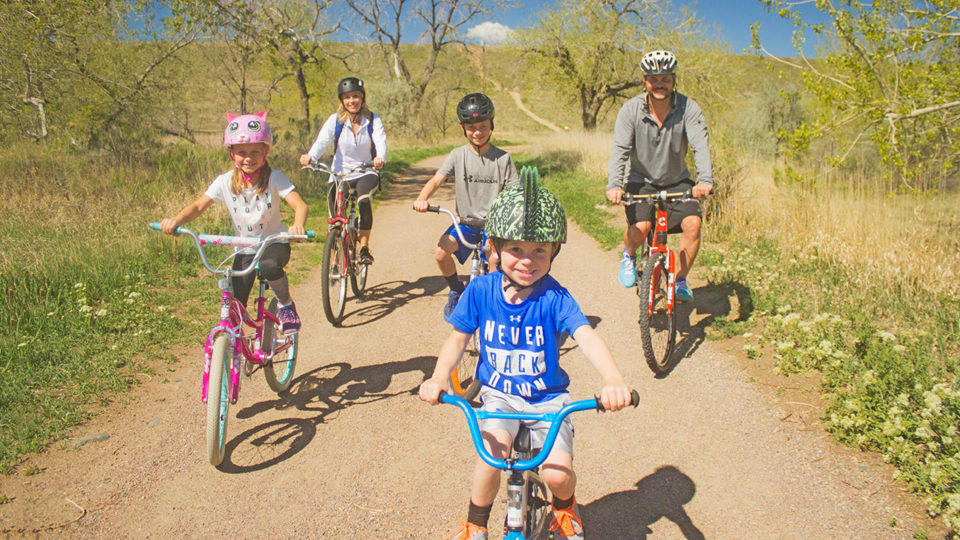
[463, 380]
[218, 400]
[333, 278]
[278, 370]
[657, 320]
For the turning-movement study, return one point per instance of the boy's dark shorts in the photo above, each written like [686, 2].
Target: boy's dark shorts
[470, 234]
[676, 211]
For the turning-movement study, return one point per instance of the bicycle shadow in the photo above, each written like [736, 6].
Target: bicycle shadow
[383, 299]
[711, 302]
[322, 392]
[629, 514]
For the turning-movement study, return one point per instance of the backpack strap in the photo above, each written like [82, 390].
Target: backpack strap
[373, 147]
[339, 130]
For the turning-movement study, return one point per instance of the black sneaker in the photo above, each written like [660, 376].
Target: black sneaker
[365, 256]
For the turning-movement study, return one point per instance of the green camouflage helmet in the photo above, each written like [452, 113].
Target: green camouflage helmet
[527, 212]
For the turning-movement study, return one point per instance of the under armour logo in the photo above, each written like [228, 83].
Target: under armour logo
[514, 318]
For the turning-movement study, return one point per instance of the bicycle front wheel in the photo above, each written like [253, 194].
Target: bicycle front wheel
[463, 380]
[657, 320]
[278, 370]
[536, 511]
[218, 399]
[333, 278]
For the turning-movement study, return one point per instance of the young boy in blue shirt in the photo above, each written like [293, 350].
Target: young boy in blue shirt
[521, 313]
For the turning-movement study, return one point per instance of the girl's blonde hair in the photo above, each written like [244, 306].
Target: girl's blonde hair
[260, 184]
[342, 113]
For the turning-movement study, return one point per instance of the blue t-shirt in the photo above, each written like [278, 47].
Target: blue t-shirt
[519, 343]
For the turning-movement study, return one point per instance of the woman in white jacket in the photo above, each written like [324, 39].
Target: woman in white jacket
[358, 137]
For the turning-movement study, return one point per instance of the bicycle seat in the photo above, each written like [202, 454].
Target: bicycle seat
[523, 442]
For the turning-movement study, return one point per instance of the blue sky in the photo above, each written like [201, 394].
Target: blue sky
[730, 18]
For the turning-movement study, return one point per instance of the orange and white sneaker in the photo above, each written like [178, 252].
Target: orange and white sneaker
[566, 523]
[469, 531]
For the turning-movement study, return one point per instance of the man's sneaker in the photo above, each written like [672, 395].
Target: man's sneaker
[365, 256]
[289, 320]
[469, 531]
[452, 298]
[628, 270]
[682, 291]
[566, 523]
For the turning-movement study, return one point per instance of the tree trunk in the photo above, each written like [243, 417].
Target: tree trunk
[304, 98]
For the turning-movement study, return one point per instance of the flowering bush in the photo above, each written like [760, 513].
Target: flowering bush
[889, 374]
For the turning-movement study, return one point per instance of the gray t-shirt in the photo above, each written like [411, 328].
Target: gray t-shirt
[658, 154]
[478, 179]
[253, 215]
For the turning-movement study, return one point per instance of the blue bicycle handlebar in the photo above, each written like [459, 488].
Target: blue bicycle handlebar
[555, 419]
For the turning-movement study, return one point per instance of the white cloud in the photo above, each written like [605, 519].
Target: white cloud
[488, 33]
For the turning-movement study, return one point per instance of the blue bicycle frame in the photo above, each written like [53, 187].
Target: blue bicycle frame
[516, 492]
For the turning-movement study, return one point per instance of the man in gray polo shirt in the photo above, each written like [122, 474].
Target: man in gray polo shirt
[652, 132]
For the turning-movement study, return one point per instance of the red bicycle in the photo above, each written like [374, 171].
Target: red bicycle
[340, 261]
[656, 283]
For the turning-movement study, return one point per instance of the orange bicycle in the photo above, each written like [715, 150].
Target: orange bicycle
[656, 283]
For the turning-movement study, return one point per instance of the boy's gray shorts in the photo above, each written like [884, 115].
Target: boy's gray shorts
[495, 400]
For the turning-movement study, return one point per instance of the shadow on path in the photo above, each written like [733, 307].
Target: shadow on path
[383, 299]
[629, 514]
[710, 303]
[324, 391]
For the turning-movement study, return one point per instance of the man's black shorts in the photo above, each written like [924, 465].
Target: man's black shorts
[676, 211]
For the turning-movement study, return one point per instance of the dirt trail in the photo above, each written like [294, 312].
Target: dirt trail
[351, 452]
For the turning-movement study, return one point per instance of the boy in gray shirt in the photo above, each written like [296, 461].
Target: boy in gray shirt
[480, 171]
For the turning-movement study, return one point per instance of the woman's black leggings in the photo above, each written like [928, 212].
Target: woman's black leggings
[274, 258]
[366, 186]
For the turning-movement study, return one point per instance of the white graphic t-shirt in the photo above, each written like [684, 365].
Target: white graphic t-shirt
[253, 215]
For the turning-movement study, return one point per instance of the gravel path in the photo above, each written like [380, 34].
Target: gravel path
[351, 452]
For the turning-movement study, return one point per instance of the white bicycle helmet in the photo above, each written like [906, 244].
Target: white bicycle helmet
[658, 63]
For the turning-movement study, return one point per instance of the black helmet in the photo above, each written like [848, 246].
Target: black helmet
[350, 84]
[474, 107]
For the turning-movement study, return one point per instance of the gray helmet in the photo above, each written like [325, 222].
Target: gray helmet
[658, 63]
[475, 107]
[527, 212]
[350, 84]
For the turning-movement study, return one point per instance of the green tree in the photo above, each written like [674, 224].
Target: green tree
[591, 49]
[88, 70]
[890, 79]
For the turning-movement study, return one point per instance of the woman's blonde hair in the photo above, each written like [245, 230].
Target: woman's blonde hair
[260, 184]
[342, 113]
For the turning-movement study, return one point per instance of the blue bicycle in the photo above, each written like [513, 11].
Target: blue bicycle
[528, 502]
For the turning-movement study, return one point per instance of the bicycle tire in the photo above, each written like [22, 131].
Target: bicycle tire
[658, 328]
[278, 370]
[463, 380]
[332, 277]
[358, 278]
[536, 511]
[218, 399]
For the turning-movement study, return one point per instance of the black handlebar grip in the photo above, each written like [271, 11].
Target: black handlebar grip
[434, 209]
[634, 400]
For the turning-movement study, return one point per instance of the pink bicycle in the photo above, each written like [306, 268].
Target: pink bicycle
[229, 349]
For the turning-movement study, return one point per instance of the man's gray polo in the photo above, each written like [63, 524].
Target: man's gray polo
[658, 154]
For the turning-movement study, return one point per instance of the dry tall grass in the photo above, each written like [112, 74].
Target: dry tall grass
[887, 237]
